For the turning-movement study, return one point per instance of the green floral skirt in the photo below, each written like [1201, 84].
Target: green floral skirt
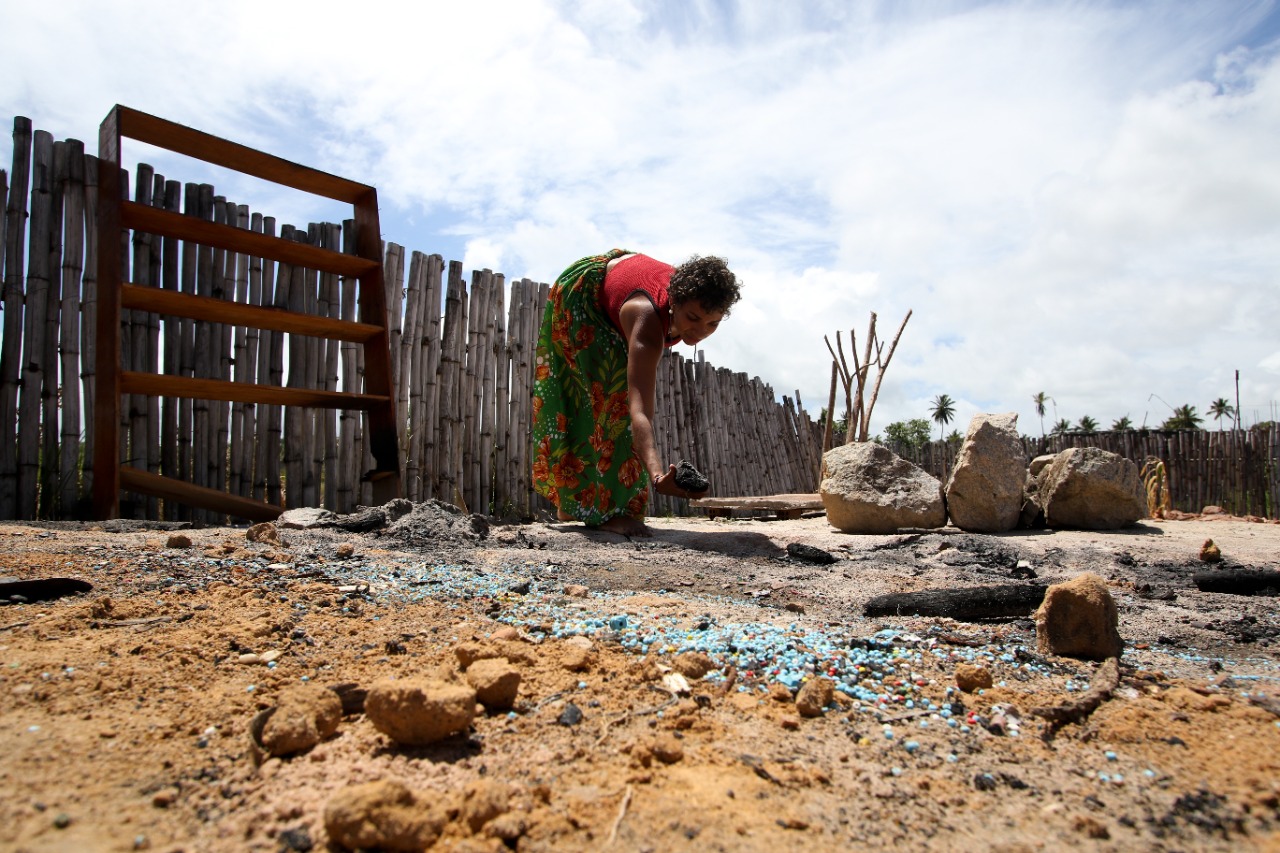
[583, 459]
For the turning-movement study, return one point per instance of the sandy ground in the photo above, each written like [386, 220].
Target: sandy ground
[126, 712]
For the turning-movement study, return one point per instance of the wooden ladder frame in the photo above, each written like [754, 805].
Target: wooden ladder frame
[115, 215]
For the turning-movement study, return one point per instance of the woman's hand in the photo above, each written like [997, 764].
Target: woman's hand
[666, 485]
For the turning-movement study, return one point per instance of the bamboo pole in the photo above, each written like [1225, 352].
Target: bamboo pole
[488, 382]
[294, 475]
[275, 375]
[14, 298]
[432, 325]
[515, 308]
[393, 280]
[170, 279]
[89, 313]
[224, 272]
[36, 299]
[533, 321]
[331, 299]
[50, 432]
[187, 349]
[473, 410]
[204, 428]
[241, 454]
[252, 348]
[262, 465]
[72, 271]
[135, 353]
[529, 320]
[500, 411]
[349, 420]
[409, 389]
[312, 453]
[153, 326]
[448, 452]
[365, 457]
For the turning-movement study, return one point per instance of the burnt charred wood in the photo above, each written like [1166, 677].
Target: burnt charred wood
[1242, 581]
[969, 604]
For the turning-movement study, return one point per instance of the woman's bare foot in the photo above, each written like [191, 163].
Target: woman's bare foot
[626, 526]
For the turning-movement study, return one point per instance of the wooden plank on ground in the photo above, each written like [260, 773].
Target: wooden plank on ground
[786, 506]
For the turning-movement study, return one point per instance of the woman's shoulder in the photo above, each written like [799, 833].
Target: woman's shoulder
[613, 263]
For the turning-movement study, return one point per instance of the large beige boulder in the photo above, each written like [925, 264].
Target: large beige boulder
[985, 490]
[1091, 489]
[867, 488]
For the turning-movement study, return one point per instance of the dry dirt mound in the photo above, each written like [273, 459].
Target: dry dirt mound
[665, 699]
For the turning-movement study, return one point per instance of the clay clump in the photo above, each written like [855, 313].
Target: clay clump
[304, 716]
[415, 711]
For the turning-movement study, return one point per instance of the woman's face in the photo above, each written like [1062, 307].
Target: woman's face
[693, 323]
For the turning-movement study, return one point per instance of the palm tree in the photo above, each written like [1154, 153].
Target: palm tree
[1061, 427]
[1087, 425]
[1122, 424]
[1184, 417]
[1220, 409]
[1040, 398]
[944, 409]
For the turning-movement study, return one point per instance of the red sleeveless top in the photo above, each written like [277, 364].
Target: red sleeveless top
[638, 274]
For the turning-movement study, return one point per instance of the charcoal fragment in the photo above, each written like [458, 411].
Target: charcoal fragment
[689, 478]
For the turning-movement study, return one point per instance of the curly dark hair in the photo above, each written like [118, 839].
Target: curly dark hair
[707, 281]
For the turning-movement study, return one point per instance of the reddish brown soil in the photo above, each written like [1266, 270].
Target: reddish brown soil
[125, 714]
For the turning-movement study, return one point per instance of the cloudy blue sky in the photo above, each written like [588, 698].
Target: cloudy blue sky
[1079, 198]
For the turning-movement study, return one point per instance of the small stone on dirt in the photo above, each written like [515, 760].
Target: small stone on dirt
[570, 716]
[178, 540]
[384, 815]
[971, 677]
[779, 692]
[304, 716]
[576, 590]
[305, 518]
[472, 651]
[575, 658]
[345, 550]
[265, 532]
[496, 683]
[693, 665]
[667, 748]
[482, 801]
[418, 711]
[816, 694]
[1210, 553]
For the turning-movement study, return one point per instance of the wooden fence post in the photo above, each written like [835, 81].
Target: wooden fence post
[36, 309]
[15, 230]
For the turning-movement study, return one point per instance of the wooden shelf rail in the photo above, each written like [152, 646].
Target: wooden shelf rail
[117, 215]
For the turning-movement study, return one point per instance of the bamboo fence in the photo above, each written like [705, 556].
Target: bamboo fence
[1238, 470]
[462, 368]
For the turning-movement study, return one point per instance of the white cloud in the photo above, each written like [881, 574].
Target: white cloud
[1077, 198]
